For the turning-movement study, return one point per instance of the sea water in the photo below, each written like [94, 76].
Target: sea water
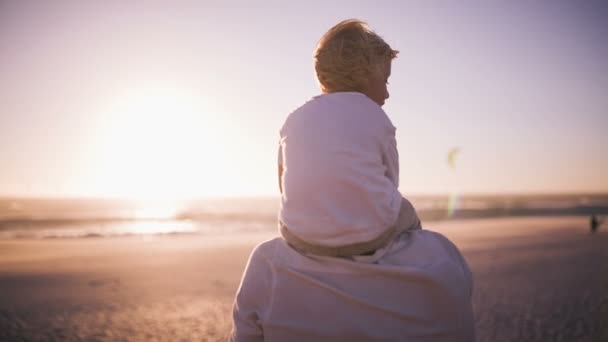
[35, 218]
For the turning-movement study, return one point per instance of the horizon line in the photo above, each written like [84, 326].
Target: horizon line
[276, 196]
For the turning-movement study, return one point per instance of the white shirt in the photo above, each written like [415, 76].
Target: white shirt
[418, 288]
[340, 170]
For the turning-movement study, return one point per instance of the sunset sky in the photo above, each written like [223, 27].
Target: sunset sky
[185, 99]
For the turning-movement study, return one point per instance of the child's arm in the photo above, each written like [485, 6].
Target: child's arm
[390, 159]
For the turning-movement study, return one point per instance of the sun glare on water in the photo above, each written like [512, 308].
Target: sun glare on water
[157, 217]
[156, 210]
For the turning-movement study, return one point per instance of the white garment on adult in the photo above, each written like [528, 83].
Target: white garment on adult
[417, 288]
[340, 170]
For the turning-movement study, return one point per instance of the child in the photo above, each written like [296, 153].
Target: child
[338, 160]
[338, 172]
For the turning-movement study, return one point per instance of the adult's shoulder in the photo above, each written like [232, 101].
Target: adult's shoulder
[423, 248]
[266, 249]
[451, 251]
[443, 241]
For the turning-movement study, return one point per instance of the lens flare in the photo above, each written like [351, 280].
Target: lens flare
[454, 198]
[453, 204]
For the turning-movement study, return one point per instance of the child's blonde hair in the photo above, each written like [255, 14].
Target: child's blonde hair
[348, 54]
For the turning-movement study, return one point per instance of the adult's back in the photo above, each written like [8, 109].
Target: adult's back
[416, 289]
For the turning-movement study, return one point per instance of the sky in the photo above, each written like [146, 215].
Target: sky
[158, 99]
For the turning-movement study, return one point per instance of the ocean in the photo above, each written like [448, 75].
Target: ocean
[37, 218]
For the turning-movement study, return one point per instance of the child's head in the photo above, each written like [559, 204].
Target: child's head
[351, 57]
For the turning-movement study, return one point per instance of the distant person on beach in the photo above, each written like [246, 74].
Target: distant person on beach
[595, 223]
[352, 262]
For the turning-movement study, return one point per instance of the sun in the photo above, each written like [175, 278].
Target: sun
[160, 143]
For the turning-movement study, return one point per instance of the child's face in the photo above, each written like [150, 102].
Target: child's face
[377, 86]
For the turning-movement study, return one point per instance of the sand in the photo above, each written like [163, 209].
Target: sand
[536, 279]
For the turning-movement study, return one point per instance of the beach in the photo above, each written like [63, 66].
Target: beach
[536, 279]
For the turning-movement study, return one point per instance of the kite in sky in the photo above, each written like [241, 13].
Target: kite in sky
[452, 156]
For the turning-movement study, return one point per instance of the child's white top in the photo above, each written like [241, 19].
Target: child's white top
[340, 170]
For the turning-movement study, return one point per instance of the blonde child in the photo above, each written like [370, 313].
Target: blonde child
[338, 159]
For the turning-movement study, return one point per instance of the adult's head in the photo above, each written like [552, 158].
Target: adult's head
[352, 57]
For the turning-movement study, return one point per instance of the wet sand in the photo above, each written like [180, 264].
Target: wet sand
[536, 279]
